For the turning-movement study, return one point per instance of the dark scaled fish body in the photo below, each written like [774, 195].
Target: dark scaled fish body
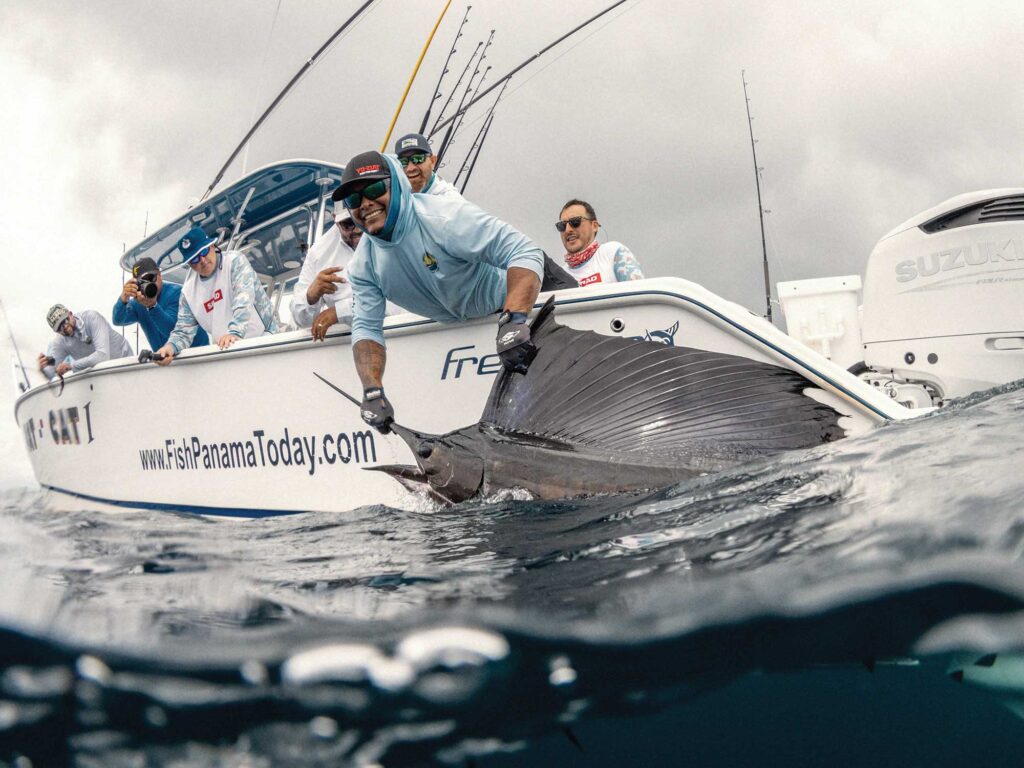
[599, 414]
[481, 459]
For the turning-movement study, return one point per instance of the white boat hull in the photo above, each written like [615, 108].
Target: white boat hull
[251, 431]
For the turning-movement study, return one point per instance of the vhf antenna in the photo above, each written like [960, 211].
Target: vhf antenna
[760, 207]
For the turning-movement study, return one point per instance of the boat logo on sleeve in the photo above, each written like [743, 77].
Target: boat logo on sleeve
[430, 262]
[218, 295]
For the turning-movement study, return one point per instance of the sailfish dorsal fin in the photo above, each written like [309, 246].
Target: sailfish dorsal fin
[637, 396]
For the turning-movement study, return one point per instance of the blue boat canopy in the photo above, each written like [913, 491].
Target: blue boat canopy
[269, 215]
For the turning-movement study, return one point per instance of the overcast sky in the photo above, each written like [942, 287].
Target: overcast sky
[866, 113]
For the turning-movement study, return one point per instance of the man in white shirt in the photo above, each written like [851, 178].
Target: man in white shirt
[418, 161]
[322, 283]
[586, 260]
[222, 295]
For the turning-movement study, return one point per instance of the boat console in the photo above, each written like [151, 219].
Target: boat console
[273, 215]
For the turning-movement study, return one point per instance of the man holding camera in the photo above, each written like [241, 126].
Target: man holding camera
[154, 306]
[82, 341]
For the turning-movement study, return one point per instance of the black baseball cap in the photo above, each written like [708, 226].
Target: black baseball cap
[411, 143]
[144, 266]
[366, 166]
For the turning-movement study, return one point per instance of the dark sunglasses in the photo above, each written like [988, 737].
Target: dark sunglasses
[63, 325]
[347, 224]
[370, 192]
[419, 157]
[574, 222]
[199, 254]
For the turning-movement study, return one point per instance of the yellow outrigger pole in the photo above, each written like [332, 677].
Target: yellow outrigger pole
[416, 69]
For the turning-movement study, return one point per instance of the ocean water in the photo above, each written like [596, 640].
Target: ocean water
[857, 604]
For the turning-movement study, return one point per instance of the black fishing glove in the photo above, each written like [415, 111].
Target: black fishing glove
[376, 410]
[515, 348]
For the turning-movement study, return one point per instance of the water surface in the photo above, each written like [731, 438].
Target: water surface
[854, 604]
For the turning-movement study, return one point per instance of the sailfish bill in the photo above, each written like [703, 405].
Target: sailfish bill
[598, 414]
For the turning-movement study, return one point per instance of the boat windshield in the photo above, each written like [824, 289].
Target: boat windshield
[268, 214]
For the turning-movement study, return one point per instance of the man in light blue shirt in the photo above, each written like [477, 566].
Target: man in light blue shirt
[82, 341]
[145, 299]
[440, 257]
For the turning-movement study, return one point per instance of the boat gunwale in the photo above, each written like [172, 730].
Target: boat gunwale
[399, 326]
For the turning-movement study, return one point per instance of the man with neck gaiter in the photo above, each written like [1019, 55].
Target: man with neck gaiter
[438, 256]
[586, 259]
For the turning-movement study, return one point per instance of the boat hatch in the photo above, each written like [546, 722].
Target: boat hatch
[268, 215]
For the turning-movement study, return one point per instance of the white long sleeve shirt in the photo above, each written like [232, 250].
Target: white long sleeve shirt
[93, 341]
[328, 251]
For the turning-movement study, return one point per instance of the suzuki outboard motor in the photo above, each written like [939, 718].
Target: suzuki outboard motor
[943, 310]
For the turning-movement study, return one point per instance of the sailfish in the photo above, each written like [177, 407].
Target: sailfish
[605, 414]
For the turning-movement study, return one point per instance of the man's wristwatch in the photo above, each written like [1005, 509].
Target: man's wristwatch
[511, 317]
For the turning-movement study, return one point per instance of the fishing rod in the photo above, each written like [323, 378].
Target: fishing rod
[462, 100]
[457, 125]
[486, 130]
[458, 82]
[533, 58]
[760, 206]
[280, 97]
[460, 110]
[455, 129]
[444, 71]
[478, 142]
[412, 77]
[472, 147]
[14, 345]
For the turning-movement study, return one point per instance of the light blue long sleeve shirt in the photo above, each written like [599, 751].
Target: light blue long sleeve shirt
[158, 322]
[446, 259]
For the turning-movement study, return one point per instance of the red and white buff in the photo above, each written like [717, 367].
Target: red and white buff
[575, 260]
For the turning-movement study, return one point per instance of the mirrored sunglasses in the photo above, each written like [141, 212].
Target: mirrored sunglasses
[574, 222]
[416, 159]
[199, 254]
[370, 192]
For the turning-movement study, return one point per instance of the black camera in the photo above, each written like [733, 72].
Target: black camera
[147, 287]
[146, 356]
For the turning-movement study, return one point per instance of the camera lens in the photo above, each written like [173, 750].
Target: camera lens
[147, 289]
